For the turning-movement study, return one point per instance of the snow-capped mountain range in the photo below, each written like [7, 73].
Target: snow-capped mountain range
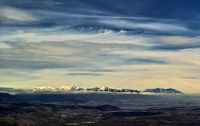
[105, 89]
[57, 89]
[63, 89]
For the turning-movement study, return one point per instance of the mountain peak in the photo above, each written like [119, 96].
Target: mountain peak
[162, 90]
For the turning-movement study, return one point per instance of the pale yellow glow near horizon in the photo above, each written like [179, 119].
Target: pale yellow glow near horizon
[153, 76]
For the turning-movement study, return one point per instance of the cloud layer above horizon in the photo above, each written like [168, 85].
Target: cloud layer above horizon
[132, 44]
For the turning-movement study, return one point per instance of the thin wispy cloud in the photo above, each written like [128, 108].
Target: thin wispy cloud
[3, 45]
[158, 26]
[10, 14]
[84, 74]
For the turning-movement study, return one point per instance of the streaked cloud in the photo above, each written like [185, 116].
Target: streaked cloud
[178, 43]
[158, 26]
[84, 74]
[4, 45]
[16, 75]
[10, 14]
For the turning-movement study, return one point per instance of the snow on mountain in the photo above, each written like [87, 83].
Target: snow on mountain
[75, 88]
[57, 89]
[65, 88]
[101, 89]
[44, 88]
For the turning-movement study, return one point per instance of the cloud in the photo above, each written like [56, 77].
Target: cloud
[16, 75]
[14, 15]
[83, 51]
[191, 77]
[84, 74]
[80, 56]
[119, 40]
[89, 13]
[144, 61]
[39, 56]
[173, 43]
[156, 26]
[3, 45]
[101, 37]
[24, 64]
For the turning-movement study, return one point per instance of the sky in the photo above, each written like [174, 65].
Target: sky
[119, 43]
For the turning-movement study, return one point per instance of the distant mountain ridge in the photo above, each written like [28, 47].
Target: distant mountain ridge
[75, 88]
[13, 90]
[7, 98]
[66, 89]
[161, 90]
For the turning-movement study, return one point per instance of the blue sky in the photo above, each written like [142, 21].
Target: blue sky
[131, 43]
